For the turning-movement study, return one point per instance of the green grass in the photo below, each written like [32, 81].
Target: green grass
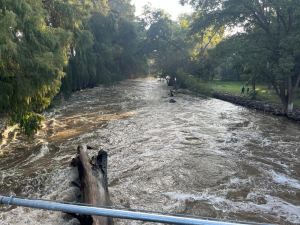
[235, 87]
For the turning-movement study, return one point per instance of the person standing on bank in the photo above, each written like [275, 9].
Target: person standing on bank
[243, 90]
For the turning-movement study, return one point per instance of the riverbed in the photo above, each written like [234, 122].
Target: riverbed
[202, 157]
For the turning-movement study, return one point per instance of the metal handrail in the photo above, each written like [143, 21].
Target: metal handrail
[108, 212]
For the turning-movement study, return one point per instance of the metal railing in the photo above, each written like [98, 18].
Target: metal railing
[112, 212]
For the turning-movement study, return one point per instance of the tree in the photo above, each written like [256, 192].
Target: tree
[32, 59]
[166, 50]
[105, 48]
[51, 45]
[130, 32]
[276, 23]
[171, 48]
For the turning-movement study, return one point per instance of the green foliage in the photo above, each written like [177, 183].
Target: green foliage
[29, 122]
[62, 45]
[171, 47]
[105, 49]
[235, 87]
[165, 50]
[194, 84]
[253, 94]
[32, 61]
[268, 48]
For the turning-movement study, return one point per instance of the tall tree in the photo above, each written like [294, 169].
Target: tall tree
[32, 59]
[174, 51]
[79, 42]
[164, 43]
[276, 22]
[105, 46]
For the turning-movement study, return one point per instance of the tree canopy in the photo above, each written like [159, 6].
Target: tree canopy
[172, 46]
[48, 46]
[269, 47]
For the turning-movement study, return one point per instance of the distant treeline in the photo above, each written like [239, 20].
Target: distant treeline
[48, 46]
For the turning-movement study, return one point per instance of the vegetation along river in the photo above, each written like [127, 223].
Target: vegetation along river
[201, 157]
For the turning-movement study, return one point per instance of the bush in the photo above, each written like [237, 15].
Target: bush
[30, 122]
[192, 83]
[253, 95]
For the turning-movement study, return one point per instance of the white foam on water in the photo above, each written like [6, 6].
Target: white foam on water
[181, 196]
[274, 205]
[61, 190]
[285, 166]
[219, 152]
[265, 142]
[87, 135]
[59, 158]
[2, 176]
[284, 180]
[20, 216]
[239, 181]
[44, 149]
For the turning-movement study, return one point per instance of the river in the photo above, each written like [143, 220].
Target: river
[201, 157]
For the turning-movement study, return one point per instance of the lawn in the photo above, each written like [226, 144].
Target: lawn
[235, 87]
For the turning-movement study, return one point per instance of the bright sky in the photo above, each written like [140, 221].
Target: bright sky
[171, 6]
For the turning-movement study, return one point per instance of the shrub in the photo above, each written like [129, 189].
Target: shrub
[253, 95]
[194, 84]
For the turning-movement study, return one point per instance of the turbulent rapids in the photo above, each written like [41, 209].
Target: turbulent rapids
[201, 157]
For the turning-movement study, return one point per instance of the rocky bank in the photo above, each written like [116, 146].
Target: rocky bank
[273, 108]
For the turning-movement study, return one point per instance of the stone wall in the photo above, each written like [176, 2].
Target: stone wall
[273, 108]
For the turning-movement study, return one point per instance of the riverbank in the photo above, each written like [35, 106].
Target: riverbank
[234, 87]
[273, 108]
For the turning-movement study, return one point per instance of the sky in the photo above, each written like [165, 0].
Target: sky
[171, 6]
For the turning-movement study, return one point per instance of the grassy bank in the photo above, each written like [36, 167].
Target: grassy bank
[235, 87]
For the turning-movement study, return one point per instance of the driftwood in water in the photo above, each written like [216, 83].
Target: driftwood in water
[93, 184]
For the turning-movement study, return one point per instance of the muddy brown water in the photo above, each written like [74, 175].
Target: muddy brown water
[201, 157]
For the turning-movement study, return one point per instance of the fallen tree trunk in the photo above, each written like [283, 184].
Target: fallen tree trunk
[93, 184]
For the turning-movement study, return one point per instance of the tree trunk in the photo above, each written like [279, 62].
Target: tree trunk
[290, 96]
[269, 88]
[290, 104]
[253, 85]
[283, 97]
[292, 88]
[287, 100]
[93, 184]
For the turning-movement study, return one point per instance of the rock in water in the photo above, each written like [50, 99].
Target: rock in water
[172, 101]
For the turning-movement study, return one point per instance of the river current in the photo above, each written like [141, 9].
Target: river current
[202, 157]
